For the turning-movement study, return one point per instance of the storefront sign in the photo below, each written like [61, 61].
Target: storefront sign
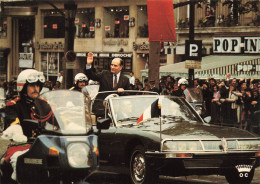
[103, 54]
[107, 28]
[25, 60]
[191, 64]
[50, 46]
[116, 42]
[121, 55]
[71, 65]
[247, 68]
[143, 46]
[126, 17]
[108, 55]
[236, 45]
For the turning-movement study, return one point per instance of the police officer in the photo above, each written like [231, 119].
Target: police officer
[29, 85]
[182, 84]
[80, 81]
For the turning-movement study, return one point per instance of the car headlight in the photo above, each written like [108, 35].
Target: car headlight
[249, 144]
[182, 146]
[79, 155]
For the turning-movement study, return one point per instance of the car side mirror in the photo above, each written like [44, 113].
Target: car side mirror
[103, 123]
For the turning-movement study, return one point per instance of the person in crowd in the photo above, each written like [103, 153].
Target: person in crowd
[60, 79]
[206, 97]
[132, 78]
[247, 100]
[57, 85]
[29, 85]
[182, 84]
[137, 82]
[152, 87]
[232, 105]
[146, 85]
[196, 83]
[162, 87]
[140, 86]
[223, 89]
[80, 81]
[109, 80]
[215, 105]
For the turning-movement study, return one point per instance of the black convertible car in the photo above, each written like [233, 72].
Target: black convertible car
[154, 135]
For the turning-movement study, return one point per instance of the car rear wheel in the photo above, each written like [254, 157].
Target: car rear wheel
[235, 177]
[140, 172]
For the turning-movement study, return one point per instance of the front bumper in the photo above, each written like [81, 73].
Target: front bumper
[199, 164]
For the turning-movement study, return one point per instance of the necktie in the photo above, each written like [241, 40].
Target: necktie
[115, 82]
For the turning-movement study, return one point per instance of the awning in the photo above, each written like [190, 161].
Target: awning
[216, 66]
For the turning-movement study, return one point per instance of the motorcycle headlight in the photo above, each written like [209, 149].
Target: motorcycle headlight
[79, 155]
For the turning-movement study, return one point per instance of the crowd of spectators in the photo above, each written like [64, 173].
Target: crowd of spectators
[229, 101]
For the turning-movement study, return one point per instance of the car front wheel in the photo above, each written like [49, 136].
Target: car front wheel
[140, 172]
[235, 177]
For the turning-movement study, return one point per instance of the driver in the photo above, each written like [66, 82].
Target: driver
[29, 85]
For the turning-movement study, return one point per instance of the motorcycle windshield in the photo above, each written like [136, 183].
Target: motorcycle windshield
[2, 94]
[71, 110]
[193, 95]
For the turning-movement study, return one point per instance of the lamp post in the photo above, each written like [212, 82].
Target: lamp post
[191, 36]
[70, 12]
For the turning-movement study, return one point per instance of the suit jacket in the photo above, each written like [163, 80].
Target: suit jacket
[105, 79]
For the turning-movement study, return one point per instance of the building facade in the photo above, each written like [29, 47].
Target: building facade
[32, 34]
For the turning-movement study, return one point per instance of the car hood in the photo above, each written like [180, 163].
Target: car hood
[190, 130]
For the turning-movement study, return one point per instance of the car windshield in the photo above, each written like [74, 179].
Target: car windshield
[193, 95]
[147, 108]
[71, 110]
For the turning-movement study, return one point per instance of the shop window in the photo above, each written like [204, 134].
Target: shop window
[53, 24]
[3, 26]
[116, 22]
[51, 65]
[142, 22]
[104, 64]
[85, 23]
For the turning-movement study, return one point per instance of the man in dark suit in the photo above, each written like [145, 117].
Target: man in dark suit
[109, 80]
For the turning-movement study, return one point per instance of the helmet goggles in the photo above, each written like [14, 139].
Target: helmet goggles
[35, 77]
[82, 79]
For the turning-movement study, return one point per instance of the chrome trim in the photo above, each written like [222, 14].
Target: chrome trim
[220, 140]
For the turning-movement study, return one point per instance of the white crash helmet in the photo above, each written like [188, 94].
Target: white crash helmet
[29, 76]
[182, 81]
[80, 77]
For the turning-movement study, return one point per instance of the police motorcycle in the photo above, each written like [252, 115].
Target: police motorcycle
[65, 151]
[2, 108]
[195, 97]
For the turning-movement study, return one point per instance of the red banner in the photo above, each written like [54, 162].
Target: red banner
[161, 23]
